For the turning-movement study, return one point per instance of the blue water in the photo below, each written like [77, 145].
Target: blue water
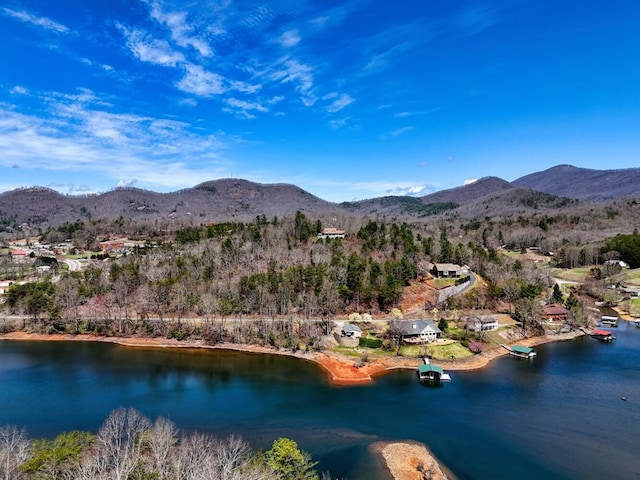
[560, 416]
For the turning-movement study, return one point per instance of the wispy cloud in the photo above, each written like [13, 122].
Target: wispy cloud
[476, 19]
[397, 132]
[42, 22]
[150, 50]
[406, 114]
[79, 136]
[103, 66]
[389, 45]
[289, 39]
[339, 103]
[470, 181]
[200, 82]
[181, 32]
[289, 70]
[243, 108]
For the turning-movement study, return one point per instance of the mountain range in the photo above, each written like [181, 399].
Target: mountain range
[242, 200]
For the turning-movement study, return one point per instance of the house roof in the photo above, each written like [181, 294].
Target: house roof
[599, 331]
[332, 230]
[429, 367]
[418, 327]
[446, 266]
[555, 309]
[350, 328]
[482, 319]
[521, 349]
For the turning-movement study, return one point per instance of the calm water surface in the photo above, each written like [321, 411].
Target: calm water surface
[560, 416]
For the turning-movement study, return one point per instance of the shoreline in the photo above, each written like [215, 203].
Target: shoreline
[405, 459]
[340, 369]
[410, 460]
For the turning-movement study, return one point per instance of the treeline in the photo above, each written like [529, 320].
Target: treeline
[129, 446]
[627, 247]
[276, 273]
[264, 269]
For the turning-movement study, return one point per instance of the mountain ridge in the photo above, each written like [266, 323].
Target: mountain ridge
[242, 200]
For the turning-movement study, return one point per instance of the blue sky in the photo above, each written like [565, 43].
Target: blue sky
[347, 99]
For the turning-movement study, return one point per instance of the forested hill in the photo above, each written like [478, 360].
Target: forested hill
[242, 200]
[584, 183]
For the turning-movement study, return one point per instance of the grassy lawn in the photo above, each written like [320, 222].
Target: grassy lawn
[633, 276]
[351, 351]
[443, 282]
[570, 274]
[634, 307]
[437, 352]
[493, 339]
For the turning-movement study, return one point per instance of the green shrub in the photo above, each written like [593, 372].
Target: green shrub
[370, 342]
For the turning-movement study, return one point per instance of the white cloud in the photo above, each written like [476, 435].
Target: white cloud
[300, 74]
[150, 50]
[289, 39]
[81, 137]
[340, 103]
[244, 87]
[200, 82]
[91, 63]
[373, 189]
[339, 123]
[397, 132]
[43, 22]
[412, 191]
[243, 108]
[181, 31]
[127, 183]
[19, 90]
[470, 181]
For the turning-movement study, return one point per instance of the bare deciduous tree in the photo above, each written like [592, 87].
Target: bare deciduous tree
[13, 451]
[119, 444]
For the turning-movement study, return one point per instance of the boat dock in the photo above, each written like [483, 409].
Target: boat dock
[432, 373]
[608, 321]
[520, 352]
[602, 335]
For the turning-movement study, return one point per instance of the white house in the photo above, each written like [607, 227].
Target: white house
[331, 232]
[352, 331]
[482, 323]
[418, 331]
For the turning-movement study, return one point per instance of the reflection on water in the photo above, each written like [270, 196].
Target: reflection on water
[515, 419]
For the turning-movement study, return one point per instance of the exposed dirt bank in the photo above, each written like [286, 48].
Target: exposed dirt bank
[410, 461]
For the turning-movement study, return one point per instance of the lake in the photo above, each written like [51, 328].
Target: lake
[560, 416]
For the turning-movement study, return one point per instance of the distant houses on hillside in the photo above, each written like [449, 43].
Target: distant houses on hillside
[446, 270]
[118, 244]
[331, 232]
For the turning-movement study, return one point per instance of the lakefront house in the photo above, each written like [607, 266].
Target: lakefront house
[418, 331]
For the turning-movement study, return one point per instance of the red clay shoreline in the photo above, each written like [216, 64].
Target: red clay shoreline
[341, 370]
[403, 459]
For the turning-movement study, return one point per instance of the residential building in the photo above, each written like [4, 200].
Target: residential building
[482, 323]
[418, 331]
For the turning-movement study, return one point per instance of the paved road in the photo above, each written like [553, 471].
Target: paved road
[74, 265]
